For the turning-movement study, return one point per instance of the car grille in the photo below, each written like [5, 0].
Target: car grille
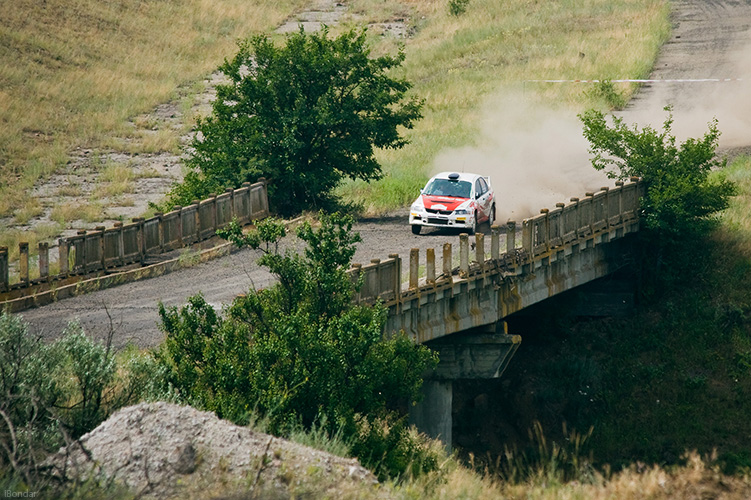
[442, 212]
[433, 220]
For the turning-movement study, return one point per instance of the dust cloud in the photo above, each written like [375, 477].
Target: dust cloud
[535, 157]
[697, 103]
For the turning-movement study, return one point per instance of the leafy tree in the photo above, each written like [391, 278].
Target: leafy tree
[305, 116]
[299, 352]
[682, 193]
[685, 190]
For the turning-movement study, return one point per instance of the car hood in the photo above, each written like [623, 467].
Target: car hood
[442, 202]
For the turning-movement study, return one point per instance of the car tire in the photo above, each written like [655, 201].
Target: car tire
[491, 219]
[416, 228]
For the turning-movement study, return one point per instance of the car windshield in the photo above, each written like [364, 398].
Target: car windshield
[446, 187]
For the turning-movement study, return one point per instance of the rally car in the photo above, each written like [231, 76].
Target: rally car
[454, 200]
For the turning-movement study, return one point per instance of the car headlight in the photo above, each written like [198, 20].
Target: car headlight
[461, 211]
[417, 207]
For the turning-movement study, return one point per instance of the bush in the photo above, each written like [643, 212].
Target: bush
[458, 7]
[55, 392]
[299, 352]
[683, 195]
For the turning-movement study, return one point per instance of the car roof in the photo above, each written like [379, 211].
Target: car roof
[463, 176]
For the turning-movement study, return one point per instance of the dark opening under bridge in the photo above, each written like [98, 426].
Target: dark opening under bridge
[460, 312]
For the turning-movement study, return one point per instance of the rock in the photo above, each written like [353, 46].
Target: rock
[163, 450]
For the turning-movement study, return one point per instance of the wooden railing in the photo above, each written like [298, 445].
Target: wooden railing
[597, 218]
[124, 244]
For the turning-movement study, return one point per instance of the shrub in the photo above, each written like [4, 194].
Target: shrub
[299, 352]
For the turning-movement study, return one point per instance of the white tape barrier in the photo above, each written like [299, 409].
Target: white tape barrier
[667, 80]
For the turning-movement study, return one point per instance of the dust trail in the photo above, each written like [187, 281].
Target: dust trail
[696, 104]
[535, 157]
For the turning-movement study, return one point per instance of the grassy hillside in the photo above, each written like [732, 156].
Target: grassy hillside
[73, 72]
[458, 63]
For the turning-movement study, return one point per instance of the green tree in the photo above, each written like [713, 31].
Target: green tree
[305, 116]
[683, 192]
[300, 352]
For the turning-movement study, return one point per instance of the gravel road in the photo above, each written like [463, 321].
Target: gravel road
[131, 309]
[711, 39]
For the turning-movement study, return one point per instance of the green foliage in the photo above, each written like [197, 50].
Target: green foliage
[89, 367]
[458, 7]
[606, 91]
[685, 190]
[299, 352]
[61, 390]
[305, 116]
[682, 196]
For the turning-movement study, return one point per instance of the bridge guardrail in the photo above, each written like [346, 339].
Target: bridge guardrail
[599, 216]
[124, 244]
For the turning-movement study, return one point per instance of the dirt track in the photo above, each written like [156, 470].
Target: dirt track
[711, 40]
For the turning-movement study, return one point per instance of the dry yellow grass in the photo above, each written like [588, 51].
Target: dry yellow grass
[72, 72]
[497, 48]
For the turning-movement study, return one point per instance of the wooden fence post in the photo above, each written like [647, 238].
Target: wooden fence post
[495, 242]
[23, 261]
[447, 260]
[141, 238]
[464, 254]
[159, 229]
[4, 265]
[480, 249]
[231, 203]
[510, 236]
[102, 262]
[430, 266]
[44, 260]
[197, 219]
[546, 228]
[397, 276]
[120, 251]
[265, 195]
[63, 257]
[214, 212]
[179, 210]
[414, 267]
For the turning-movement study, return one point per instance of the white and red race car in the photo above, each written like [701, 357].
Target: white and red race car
[454, 200]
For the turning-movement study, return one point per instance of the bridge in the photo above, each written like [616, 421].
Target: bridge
[458, 308]
[460, 312]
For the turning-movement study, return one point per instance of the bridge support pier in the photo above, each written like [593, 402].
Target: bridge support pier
[432, 415]
[461, 356]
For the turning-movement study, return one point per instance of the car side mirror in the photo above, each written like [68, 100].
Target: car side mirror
[422, 191]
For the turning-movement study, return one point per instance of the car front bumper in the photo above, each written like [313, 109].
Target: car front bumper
[440, 220]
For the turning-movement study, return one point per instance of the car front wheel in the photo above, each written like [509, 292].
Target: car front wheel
[416, 228]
